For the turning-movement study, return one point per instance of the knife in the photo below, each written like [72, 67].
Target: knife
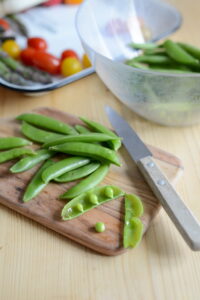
[181, 216]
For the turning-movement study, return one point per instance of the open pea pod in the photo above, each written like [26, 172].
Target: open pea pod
[90, 200]
[133, 227]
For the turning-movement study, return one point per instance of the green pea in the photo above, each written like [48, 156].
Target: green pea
[93, 199]
[36, 185]
[82, 129]
[78, 173]
[108, 192]
[79, 207]
[29, 162]
[88, 150]
[13, 142]
[38, 135]
[89, 137]
[86, 184]
[177, 53]
[70, 211]
[14, 153]
[133, 227]
[45, 122]
[114, 144]
[100, 227]
[63, 166]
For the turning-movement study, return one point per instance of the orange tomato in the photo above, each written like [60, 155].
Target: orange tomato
[12, 48]
[70, 66]
[85, 61]
[73, 1]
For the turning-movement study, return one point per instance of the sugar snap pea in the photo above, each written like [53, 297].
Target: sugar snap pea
[81, 129]
[143, 46]
[88, 183]
[29, 162]
[89, 150]
[38, 135]
[63, 166]
[47, 123]
[114, 144]
[133, 227]
[13, 142]
[86, 138]
[151, 59]
[14, 153]
[177, 53]
[36, 185]
[194, 51]
[84, 202]
[78, 173]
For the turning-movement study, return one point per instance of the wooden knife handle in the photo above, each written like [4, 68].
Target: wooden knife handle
[181, 216]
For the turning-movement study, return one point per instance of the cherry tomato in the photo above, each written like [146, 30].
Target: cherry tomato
[4, 24]
[26, 56]
[37, 43]
[70, 66]
[73, 1]
[69, 53]
[46, 62]
[85, 61]
[12, 48]
[52, 2]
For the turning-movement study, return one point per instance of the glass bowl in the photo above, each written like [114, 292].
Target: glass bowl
[107, 27]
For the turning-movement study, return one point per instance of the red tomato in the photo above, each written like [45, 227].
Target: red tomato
[26, 56]
[46, 62]
[69, 53]
[52, 2]
[4, 24]
[37, 43]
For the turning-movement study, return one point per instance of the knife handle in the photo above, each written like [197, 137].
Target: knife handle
[181, 216]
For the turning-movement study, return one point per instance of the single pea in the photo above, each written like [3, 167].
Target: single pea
[100, 227]
[93, 199]
[108, 192]
[79, 207]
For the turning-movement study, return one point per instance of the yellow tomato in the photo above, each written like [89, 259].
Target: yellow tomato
[12, 48]
[70, 66]
[85, 61]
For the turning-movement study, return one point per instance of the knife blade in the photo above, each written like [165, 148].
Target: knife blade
[182, 217]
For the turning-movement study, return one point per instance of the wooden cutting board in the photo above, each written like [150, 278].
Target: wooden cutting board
[46, 208]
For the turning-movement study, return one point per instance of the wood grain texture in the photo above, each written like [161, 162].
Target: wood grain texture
[46, 207]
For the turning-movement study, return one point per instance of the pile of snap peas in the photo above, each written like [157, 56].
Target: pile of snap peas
[168, 56]
[89, 153]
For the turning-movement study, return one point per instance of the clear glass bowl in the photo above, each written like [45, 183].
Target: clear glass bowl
[107, 27]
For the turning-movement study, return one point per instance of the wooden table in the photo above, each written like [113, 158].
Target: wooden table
[36, 263]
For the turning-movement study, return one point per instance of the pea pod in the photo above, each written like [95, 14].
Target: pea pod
[143, 46]
[29, 162]
[36, 185]
[85, 201]
[47, 123]
[89, 150]
[177, 53]
[14, 153]
[151, 59]
[133, 227]
[81, 129]
[38, 135]
[194, 51]
[78, 173]
[13, 142]
[87, 138]
[63, 166]
[86, 184]
[114, 144]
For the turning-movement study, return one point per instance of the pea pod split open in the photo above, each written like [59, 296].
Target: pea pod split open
[89, 200]
[63, 166]
[13, 142]
[29, 162]
[47, 123]
[14, 153]
[88, 183]
[88, 150]
[38, 135]
[86, 138]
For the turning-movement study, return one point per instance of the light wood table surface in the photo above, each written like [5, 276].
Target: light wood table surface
[36, 263]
